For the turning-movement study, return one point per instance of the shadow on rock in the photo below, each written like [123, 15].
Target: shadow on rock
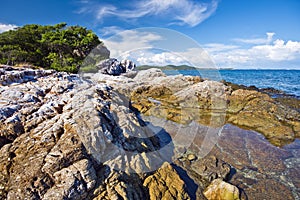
[192, 187]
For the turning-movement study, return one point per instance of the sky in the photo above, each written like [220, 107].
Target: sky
[203, 33]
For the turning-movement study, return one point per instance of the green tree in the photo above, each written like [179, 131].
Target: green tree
[58, 47]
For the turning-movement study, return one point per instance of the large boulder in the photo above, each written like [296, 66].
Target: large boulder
[114, 67]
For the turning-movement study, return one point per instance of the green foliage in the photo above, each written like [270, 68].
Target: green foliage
[57, 47]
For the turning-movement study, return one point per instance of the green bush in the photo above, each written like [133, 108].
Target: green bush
[56, 47]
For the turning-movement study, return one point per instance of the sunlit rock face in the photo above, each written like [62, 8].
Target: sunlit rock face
[141, 135]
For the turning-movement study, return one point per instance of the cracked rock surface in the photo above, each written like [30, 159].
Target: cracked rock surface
[141, 137]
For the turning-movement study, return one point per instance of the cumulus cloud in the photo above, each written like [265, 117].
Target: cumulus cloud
[143, 47]
[231, 58]
[196, 57]
[130, 40]
[276, 53]
[161, 59]
[7, 27]
[271, 54]
[153, 47]
[181, 12]
[279, 50]
[266, 40]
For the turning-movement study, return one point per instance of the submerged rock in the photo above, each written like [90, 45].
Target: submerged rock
[220, 190]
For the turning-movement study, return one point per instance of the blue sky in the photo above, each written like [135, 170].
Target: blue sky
[233, 33]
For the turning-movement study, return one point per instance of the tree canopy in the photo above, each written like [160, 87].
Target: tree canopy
[58, 47]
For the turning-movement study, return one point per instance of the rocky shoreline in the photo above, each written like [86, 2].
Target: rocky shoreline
[289, 100]
[142, 135]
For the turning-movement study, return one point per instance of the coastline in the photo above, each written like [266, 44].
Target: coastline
[81, 131]
[261, 79]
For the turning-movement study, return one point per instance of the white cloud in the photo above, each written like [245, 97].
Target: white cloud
[130, 40]
[279, 52]
[231, 58]
[266, 40]
[270, 36]
[106, 10]
[160, 59]
[182, 12]
[152, 47]
[195, 13]
[193, 56]
[110, 30]
[143, 47]
[7, 27]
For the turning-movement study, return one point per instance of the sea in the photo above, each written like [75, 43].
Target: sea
[284, 80]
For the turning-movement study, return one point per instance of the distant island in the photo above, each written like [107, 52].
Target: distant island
[178, 67]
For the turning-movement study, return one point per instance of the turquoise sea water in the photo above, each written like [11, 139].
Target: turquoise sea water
[285, 80]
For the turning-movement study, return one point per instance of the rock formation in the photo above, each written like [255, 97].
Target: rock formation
[165, 183]
[64, 136]
[214, 104]
[114, 67]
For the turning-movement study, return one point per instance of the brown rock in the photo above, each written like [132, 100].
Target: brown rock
[259, 112]
[118, 185]
[206, 102]
[73, 182]
[166, 184]
[192, 157]
[71, 139]
[220, 190]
